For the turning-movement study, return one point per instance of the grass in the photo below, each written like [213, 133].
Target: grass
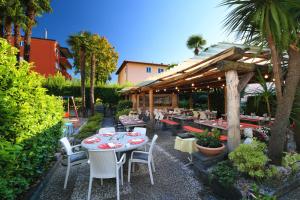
[91, 127]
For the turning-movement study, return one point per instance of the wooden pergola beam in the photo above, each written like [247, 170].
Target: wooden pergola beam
[244, 80]
[227, 65]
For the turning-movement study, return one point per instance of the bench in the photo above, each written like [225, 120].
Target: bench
[172, 124]
[192, 129]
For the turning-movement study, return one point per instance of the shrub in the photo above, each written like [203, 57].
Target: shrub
[122, 112]
[183, 103]
[209, 139]
[30, 124]
[91, 127]
[225, 173]
[291, 160]
[251, 159]
[124, 104]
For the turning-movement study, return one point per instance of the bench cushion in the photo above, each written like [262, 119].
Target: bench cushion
[169, 122]
[247, 125]
[192, 129]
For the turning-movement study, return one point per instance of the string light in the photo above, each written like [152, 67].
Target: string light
[273, 79]
[165, 89]
[176, 88]
[219, 78]
[266, 76]
[193, 84]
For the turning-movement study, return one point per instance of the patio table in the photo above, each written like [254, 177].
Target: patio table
[119, 141]
[128, 122]
[223, 125]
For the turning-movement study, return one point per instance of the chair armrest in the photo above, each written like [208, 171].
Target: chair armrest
[79, 152]
[122, 160]
[138, 152]
[78, 145]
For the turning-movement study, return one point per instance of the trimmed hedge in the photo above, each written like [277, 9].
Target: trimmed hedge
[30, 125]
[91, 127]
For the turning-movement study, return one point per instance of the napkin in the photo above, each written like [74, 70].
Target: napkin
[133, 134]
[136, 141]
[92, 140]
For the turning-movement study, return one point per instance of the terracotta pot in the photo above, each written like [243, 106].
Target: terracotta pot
[210, 151]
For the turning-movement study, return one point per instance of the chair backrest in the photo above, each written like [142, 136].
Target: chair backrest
[140, 130]
[103, 164]
[195, 114]
[160, 116]
[152, 145]
[203, 115]
[156, 115]
[107, 130]
[67, 146]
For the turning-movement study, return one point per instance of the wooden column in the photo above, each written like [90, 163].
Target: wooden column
[233, 109]
[225, 100]
[144, 101]
[137, 101]
[133, 99]
[191, 101]
[151, 109]
[174, 100]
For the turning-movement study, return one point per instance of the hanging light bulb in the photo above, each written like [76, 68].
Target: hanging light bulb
[219, 78]
[165, 89]
[223, 85]
[273, 79]
[266, 76]
[193, 84]
[176, 88]
[208, 86]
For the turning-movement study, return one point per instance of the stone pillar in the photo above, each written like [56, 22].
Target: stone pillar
[233, 109]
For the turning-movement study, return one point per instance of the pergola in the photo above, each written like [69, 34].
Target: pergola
[231, 69]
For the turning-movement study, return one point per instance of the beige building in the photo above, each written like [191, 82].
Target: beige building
[135, 72]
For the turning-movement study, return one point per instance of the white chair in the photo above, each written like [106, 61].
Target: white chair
[104, 165]
[107, 130]
[144, 158]
[74, 158]
[140, 130]
[203, 116]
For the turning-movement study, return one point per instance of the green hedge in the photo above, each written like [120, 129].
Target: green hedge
[91, 127]
[259, 108]
[124, 104]
[30, 125]
[58, 86]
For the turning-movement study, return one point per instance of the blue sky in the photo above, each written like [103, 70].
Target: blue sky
[141, 30]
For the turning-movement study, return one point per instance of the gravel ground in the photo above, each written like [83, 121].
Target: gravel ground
[172, 180]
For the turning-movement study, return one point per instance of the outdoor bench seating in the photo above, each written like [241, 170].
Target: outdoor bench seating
[172, 124]
[193, 129]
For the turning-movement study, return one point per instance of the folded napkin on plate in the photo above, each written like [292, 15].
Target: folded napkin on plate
[110, 146]
[92, 140]
[133, 134]
[136, 141]
[107, 134]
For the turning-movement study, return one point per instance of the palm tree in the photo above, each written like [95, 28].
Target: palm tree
[196, 42]
[274, 24]
[33, 8]
[78, 46]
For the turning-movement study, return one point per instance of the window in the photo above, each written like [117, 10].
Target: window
[21, 43]
[57, 66]
[148, 69]
[160, 70]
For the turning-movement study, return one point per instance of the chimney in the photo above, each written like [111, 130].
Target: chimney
[46, 34]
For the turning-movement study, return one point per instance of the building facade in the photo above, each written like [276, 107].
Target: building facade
[48, 57]
[135, 72]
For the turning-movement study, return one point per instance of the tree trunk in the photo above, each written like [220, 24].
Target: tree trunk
[1, 27]
[196, 51]
[92, 83]
[8, 29]
[283, 109]
[17, 39]
[296, 113]
[268, 106]
[233, 106]
[27, 38]
[82, 76]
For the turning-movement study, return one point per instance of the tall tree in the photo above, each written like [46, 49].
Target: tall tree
[273, 23]
[196, 42]
[33, 9]
[78, 46]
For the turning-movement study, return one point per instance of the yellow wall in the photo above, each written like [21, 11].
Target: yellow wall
[136, 72]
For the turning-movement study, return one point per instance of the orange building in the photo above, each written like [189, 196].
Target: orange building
[48, 57]
[134, 71]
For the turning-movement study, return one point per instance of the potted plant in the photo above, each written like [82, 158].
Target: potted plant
[209, 143]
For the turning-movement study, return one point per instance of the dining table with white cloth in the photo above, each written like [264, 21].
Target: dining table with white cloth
[118, 141]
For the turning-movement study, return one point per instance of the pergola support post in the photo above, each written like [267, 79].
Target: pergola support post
[137, 101]
[151, 109]
[144, 101]
[233, 109]
[174, 100]
[134, 103]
